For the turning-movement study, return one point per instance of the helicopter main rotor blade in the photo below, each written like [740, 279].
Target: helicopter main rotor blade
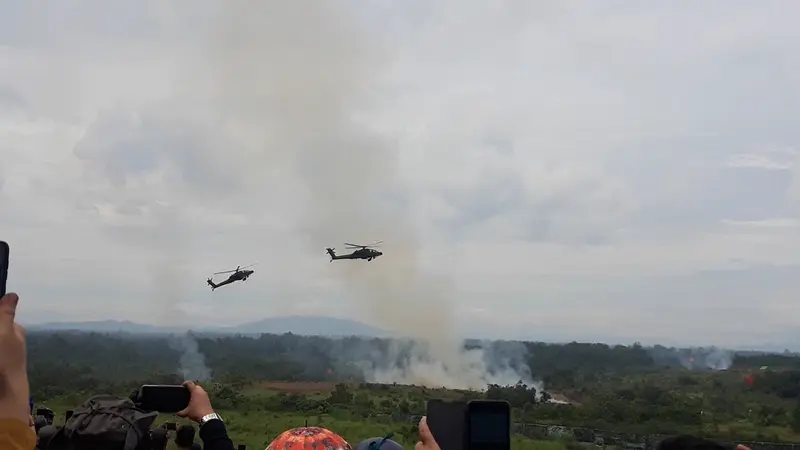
[227, 271]
[363, 246]
[251, 265]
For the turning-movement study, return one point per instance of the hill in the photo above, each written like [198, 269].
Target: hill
[308, 326]
[302, 325]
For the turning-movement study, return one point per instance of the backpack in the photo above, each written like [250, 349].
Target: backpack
[109, 423]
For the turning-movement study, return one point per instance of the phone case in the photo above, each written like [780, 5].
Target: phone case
[446, 420]
[4, 254]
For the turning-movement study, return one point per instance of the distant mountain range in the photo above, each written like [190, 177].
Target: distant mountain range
[304, 325]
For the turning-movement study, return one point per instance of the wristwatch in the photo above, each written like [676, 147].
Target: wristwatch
[208, 417]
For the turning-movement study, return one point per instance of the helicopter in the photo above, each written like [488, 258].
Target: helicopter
[362, 252]
[237, 274]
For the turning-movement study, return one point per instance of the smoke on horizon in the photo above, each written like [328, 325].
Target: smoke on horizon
[305, 98]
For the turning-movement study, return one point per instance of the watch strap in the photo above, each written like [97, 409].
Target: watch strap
[208, 417]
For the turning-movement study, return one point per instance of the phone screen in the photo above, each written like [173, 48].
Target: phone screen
[4, 251]
[446, 421]
[489, 425]
[164, 398]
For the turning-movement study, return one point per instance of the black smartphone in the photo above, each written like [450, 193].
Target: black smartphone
[163, 398]
[446, 421]
[241, 447]
[4, 251]
[488, 425]
[171, 426]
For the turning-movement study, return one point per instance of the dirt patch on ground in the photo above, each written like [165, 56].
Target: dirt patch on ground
[297, 387]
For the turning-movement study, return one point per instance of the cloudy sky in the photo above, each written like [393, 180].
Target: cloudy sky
[550, 170]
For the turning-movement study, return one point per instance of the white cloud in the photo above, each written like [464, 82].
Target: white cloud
[591, 167]
[759, 162]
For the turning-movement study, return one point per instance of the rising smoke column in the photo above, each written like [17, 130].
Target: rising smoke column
[157, 220]
[300, 73]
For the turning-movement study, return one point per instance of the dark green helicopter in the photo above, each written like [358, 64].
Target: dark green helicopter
[359, 252]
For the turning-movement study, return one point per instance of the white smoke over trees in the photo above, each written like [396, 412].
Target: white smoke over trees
[307, 97]
[275, 91]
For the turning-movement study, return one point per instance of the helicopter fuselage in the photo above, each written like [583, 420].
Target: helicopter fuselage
[362, 253]
[240, 275]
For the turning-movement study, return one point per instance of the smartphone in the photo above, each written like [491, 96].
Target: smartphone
[241, 447]
[446, 420]
[488, 425]
[4, 251]
[163, 398]
[68, 414]
[171, 426]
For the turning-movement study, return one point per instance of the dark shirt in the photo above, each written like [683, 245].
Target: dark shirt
[215, 436]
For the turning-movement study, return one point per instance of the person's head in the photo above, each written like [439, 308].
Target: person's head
[379, 443]
[158, 439]
[184, 436]
[45, 434]
[40, 422]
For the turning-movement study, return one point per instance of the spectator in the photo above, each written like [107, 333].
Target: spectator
[379, 443]
[45, 435]
[159, 439]
[184, 437]
[15, 412]
[212, 430]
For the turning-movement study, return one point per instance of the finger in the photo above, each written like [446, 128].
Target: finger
[419, 446]
[183, 413]
[425, 434]
[189, 385]
[8, 307]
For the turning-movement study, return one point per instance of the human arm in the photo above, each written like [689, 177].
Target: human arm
[213, 432]
[15, 414]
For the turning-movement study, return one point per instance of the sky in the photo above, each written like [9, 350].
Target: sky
[614, 171]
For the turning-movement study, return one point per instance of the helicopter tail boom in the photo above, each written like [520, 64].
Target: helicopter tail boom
[332, 253]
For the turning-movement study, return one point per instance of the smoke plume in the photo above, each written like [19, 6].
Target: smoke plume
[192, 362]
[299, 75]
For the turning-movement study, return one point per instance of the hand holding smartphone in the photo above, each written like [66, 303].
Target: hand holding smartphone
[4, 252]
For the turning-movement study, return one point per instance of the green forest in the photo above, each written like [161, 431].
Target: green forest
[269, 383]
